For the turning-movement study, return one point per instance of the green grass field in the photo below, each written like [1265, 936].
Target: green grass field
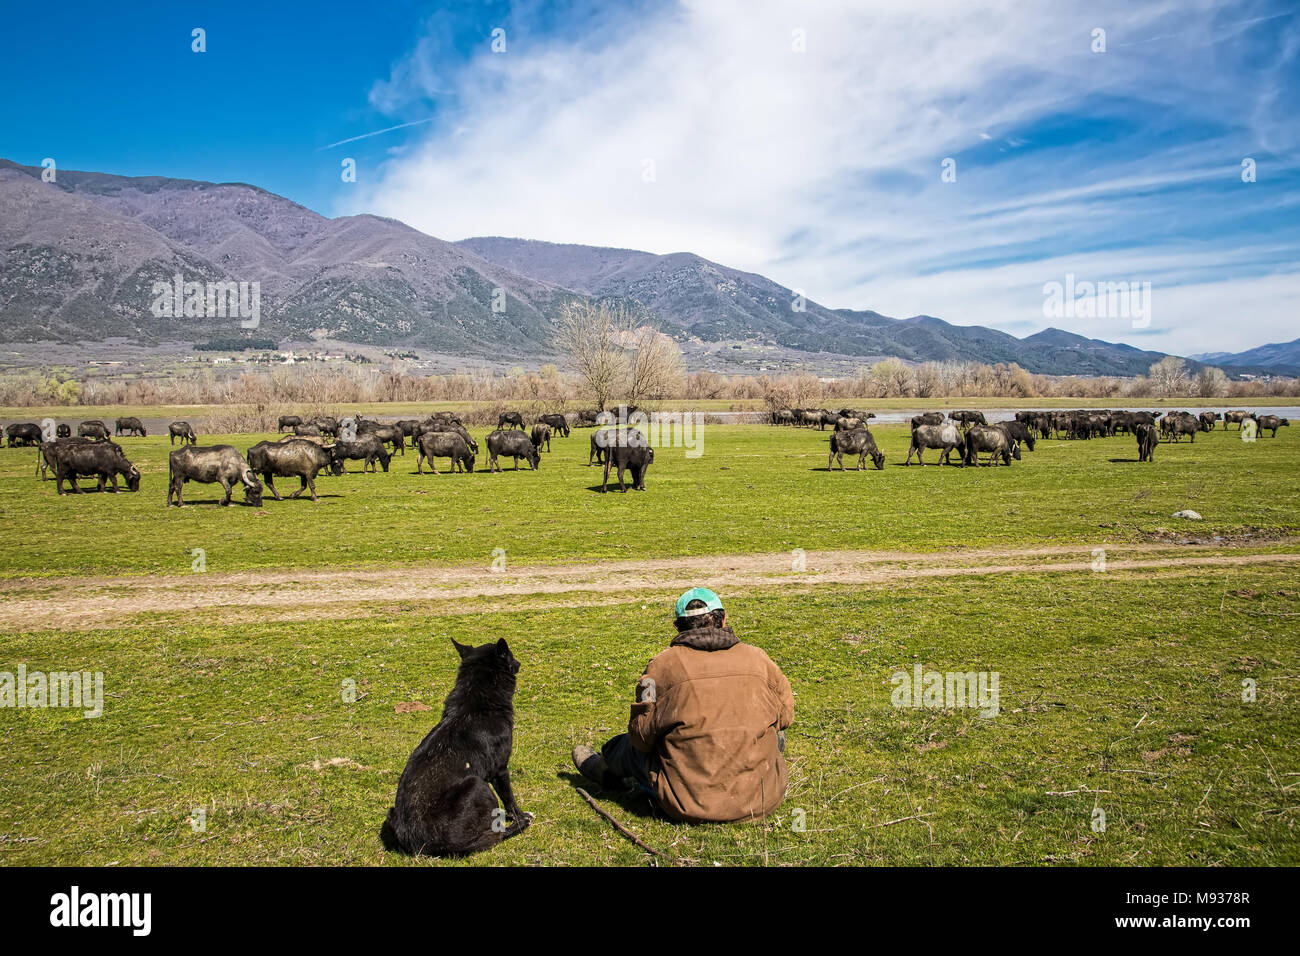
[1121, 691]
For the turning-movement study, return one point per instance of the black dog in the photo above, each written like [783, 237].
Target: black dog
[444, 806]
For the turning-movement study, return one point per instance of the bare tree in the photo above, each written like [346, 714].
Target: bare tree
[654, 365]
[1169, 377]
[591, 335]
[1211, 382]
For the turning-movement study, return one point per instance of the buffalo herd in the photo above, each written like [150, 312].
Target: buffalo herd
[324, 444]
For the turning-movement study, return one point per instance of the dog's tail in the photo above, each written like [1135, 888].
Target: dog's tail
[388, 833]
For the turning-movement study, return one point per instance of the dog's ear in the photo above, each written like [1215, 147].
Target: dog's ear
[503, 649]
[461, 649]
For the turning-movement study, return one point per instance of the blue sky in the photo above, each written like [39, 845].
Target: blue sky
[802, 140]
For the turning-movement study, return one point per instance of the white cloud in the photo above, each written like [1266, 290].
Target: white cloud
[821, 168]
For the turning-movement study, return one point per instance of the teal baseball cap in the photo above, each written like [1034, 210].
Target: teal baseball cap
[711, 602]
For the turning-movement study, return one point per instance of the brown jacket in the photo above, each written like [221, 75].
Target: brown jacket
[711, 731]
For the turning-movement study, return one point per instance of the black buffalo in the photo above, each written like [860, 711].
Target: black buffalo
[72, 459]
[981, 439]
[182, 430]
[857, 441]
[450, 445]
[93, 429]
[559, 424]
[217, 464]
[288, 421]
[130, 426]
[634, 458]
[514, 445]
[946, 437]
[23, 433]
[513, 419]
[299, 458]
[1273, 423]
[367, 448]
[541, 435]
[1147, 439]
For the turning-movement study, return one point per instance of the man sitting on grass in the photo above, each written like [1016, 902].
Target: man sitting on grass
[705, 736]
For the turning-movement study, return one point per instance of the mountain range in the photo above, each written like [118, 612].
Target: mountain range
[79, 258]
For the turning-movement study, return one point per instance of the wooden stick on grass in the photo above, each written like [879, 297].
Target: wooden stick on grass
[618, 826]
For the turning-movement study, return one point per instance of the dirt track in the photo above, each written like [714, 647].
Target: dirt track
[101, 602]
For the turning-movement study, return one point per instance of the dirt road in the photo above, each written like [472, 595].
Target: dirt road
[102, 602]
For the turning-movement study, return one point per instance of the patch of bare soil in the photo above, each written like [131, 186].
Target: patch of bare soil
[40, 604]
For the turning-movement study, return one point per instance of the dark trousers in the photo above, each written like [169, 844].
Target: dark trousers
[623, 760]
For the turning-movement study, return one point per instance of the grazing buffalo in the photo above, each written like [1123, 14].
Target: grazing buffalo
[23, 433]
[306, 431]
[1178, 424]
[541, 434]
[367, 448]
[968, 418]
[326, 424]
[945, 437]
[288, 421]
[634, 458]
[215, 464]
[1018, 431]
[295, 458]
[1147, 439]
[408, 425]
[513, 419]
[1271, 422]
[63, 431]
[855, 413]
[857, 441]
[1208, 419]
[433, 445]
[586, 416]
[514, 445]
[182, 430]
[388, 434]
[130, 426]
[605, 438]
[451, 425]
[45, 459]
[1237, 416]
[849, 424]
[927, 418]
[72, 459]
[783, 416]
[93, 429]
[991, 441]
[559, 424]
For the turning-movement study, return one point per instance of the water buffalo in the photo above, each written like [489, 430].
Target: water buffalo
[849, 424]
[367, 448]
[288, 421]
[1237, 416]
[586, 416]
[631, 457]
[215, 464]
[1271, 422]
[1147, 440]
[433, 445]
[783, 416]
[968, 418]
[451, 425]
[306, 431]
[407, 425]
[945, 437]
[855, 413]
[513, 419]
[296, 458]
[23, 433]
[388, 434]
[992, 441]
[63, 431]
[1018, 431]
[1177, 424]
[326, 424]
[45, 457]
[93, 429]
[514, 445]
[927, 418]
[857, 441]
[182, 430]
[130, 426]
[541, 434]
[605, 438]
[104, 460]
[1207, 420]
[559, 424]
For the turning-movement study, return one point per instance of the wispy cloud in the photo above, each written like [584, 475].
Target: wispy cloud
[806, 142]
